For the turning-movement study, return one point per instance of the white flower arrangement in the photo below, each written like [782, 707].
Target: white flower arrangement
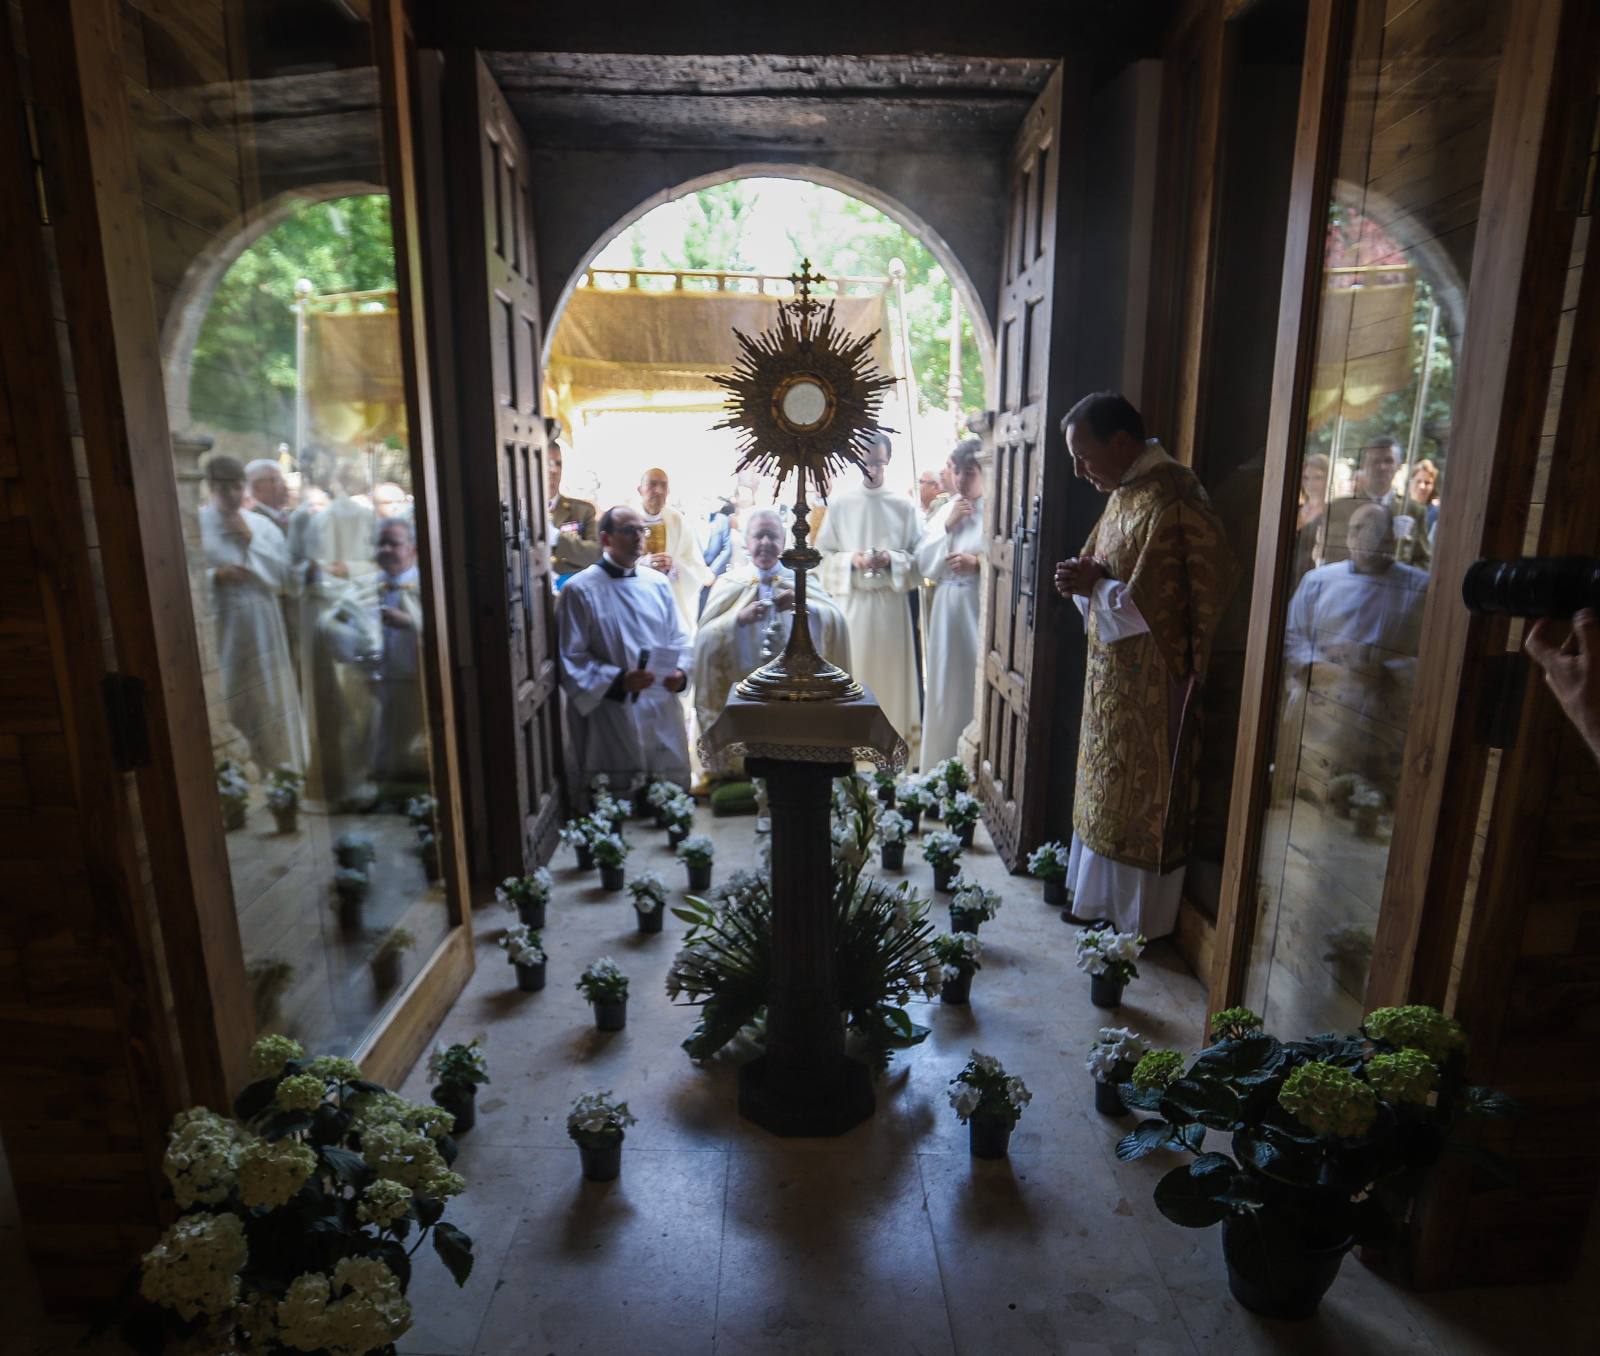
[354, 849]
[610, 849]
[1049, 861]
[893, 827]
[1114, 1053]
[912, 793]
[465, 1062]
[958, 952]
[598, 1118]
[680, 810]
[661, 794]
[971, 898]
[1367, 798]
[952, 776]
[961, 810]
[606, 809]
[696, 850]
[649, 892]
[232, 785]
[523, 946]
[576, 833]
[517, 890]
[421, 809]
[1104, 951]
[984, 1088]
[603, 981]
[941, 848]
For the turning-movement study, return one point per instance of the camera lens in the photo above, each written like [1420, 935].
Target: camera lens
[1535, 586]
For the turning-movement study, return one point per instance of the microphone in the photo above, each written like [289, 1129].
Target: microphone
[644, 658]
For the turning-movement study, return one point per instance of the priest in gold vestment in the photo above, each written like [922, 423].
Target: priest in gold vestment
[1151, 584]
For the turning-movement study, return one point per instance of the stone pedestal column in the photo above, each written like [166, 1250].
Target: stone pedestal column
[805, 1084]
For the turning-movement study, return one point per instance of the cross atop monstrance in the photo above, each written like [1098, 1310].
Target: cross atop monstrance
[804, 398]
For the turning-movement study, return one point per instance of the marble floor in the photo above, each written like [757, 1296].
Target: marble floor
[720, 1238]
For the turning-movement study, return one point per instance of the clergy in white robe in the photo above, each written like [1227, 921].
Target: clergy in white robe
[869, 546]
[248, 573]
[951, 555]
[617, 621]
[748, 618]
[1151, 583]
[1362, 612]
[670, 546]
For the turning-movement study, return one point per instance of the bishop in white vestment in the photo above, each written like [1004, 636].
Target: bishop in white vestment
[869, 545]
[748, 618]
[951, 554]
[613, 618]
[670, 546]
[249, 571]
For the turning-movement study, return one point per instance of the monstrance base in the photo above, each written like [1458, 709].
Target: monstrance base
[774, 682]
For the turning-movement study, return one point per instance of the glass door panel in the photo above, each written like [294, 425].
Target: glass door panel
[1373, 466]
[261, 160]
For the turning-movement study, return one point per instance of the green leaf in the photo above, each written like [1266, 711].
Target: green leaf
[349, 1169]
[1243, 1063]
[1281, 1162]
[1480, 1101]
[361, 1085]
[1144, 1138]
[329, 1124]
[1139, 1099]
[256, 1098]
[429, 1210]
[1201, 1099]
[1190, 1137]
[455, 1251]
[396, 1258]
[1345, 1052]
[1194, 1195]
[899, 1020]
[401, 1227]
[286, 1123]
[448, 1149]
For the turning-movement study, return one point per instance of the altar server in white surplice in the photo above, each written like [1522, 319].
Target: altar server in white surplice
[249, 574]
[624, 719]
[869, 547]
[951, 555]
[670, 547]
[748, 618]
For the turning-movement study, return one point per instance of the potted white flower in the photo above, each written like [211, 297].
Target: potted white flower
[524, 949]
[885, 784]
[284, 784]
[610, 852]
[606, 988]
[971, 905]
[597, 1124]
[577, 835]
[960, 954]
[989, 1101]
[649, 893]
[421, 811]
[528, 895]
[387, 955]
[961, 810]
[457, 1070]
[660, 793]
[609, 812]
[1111, 1061]
[696, 853]
[680, 818]
[1108, 957]
[354, 850]
[941, 850]
[428, 853]
[911, 800]
[1048, 862]
[892, 830]
[233, 789]
[1366, 805]
[351, 885]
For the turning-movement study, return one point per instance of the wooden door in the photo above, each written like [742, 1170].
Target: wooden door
[1026, 515]
[510, 710]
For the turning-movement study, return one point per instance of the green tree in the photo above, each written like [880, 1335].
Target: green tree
[243, 377]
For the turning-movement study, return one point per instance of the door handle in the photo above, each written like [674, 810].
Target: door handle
[1030, 551]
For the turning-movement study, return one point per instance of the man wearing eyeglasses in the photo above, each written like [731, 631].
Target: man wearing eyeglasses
[625, 656]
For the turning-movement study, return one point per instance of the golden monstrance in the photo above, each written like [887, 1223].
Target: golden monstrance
[804, 398]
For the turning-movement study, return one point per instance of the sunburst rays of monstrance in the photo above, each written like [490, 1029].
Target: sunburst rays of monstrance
[803, 398]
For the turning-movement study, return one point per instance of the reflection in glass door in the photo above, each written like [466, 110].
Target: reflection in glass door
[1373, 467]
[273, 268]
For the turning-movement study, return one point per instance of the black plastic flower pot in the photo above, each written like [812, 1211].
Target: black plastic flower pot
[1105, 992]
[886, 797]
[642, 809]
[585, 856]
[430, 866]
[386, 971]
[650, 919]
[894, 856]
[601, 1162]
[1055, 893]
[934, 812]
[662, 822]
[288, 820]
[676, 833]
[989, 1136]
[233, 817]
[530, 978]
[350, 910]
[965, 834]
[943, 874]
[610, 1014]
[915, 816]
[699, 876]
[964, 920]
[1107, 1100]
[957, 990]
[612, 877]
[1272, 1274]
[461, 1102]
[530, 913]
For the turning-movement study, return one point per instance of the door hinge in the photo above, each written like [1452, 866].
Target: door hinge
[1505, 678]
[125, 717]
[36, 154]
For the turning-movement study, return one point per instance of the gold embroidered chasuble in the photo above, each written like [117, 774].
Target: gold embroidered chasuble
[1158, 535]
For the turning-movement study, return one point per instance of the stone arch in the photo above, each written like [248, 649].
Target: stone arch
[891, 207]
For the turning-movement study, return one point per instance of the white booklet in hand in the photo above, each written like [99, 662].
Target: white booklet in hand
[662, 661]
